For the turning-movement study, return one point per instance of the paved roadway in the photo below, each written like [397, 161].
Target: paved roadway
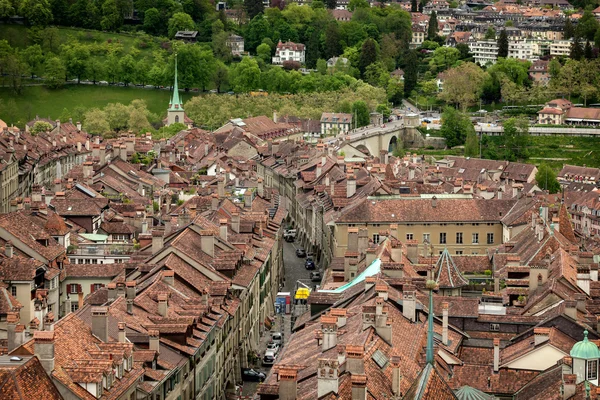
[293, 271]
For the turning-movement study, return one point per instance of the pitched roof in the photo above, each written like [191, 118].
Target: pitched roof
[448, 275]
[25, 380]
[429, 385]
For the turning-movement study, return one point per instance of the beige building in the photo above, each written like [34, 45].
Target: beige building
[463, 226]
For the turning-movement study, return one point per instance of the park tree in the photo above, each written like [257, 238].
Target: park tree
[546, 179]
[221, 77]
[6, 9]
[331, 4]
[515, 139]
[490, 34]
[138, 120]
[55, 72]
[313, 51]
[432, 27]
[36, 12]
[41, 127]
[455, 126]
[75, 56]
[246, 75]
[15, 68]
[471, 143]
[587, 26]
[576, 50]
[95, 122]
[34, 57]
[180, 22]
[503, 44]
[377, 74]
[588, 53]
[117, 115]
[112, 18]
[444, 58]
[321, 66]
[263, 51]
[152, 21]
[59, 9]
[463, 85]
[253, 8]
[127, 66]
[354, 5]
[410, 72]
[257, 29]
[360, 111]
[332, 47]
[368, 55]
[568, 30]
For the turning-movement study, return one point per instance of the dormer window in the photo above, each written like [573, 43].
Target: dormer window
[592, 370]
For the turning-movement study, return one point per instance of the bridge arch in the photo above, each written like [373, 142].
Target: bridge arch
[393, 144]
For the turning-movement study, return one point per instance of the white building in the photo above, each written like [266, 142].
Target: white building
[560, 48]
[335, 123]
[289, 51]
[484, 51]
[522, 50]
[236, 44]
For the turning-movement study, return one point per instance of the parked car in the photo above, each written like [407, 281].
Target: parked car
[249, 374]
[300, 253]
[274, 347]
[309, 264]
[315, 276]
[269, 358]
[277, 337]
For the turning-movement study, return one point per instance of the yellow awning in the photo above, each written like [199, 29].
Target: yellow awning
[302, 293]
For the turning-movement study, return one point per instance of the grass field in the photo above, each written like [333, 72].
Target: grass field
[39, 100]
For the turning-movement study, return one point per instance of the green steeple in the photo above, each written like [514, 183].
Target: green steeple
[585, 349]
[430, 285]
[175, 104]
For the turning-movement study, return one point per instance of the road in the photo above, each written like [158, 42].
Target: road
[293, 271]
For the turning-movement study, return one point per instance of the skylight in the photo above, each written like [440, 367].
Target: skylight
[380, 358]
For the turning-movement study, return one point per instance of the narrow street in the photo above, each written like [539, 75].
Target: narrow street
[294, 271]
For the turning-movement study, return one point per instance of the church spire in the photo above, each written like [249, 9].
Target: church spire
[431, 285]
[175, 102]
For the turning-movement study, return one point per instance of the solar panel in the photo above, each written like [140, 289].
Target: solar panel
[380, 358]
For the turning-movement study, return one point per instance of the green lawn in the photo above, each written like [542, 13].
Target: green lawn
[39, 100]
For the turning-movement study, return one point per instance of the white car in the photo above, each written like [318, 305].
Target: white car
[274, 347]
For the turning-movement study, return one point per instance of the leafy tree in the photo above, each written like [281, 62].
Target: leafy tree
[6, 9]
[360, 110]
[432, 27]
[253, 8]
[54, 72]
[568, 30]
[180, 22]
[219, 46]
[34, 58]
[463, 85]
[546, 179]
[75, 57]
[332, 47]
[410, 72]
[322, 66]
[444, 58]
[257, 29]
[587, 26]
[221, 77]
[36, 12]
[421, 5]
[95, 122]
[356, 4]
[377, 75]
[127, 66]
[59, 9]
[246, 75]
[15, 67]
[313, 51]
[152, 21]
[465, 53]
[368, 55]
[515, 139]
[455, 126]
[587, 51]
[41, 127]
[263, 51]
[515, 70]
[554, 68]
[576, 50]
[138, 120]
[413, 6]
[490, 34]
[142, 71]
[331, 4]
[503, 44]
[384, 110]
[471, 143]
[112, 18]
[117, 115]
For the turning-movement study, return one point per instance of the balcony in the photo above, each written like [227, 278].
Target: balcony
[104, 249]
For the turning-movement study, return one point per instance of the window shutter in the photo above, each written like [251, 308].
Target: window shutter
[92, 288]
[79, 289]
[69, 288]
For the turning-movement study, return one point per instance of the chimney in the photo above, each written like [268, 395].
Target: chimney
[145, 226]
[221, 187]
[80, 299]
[369, 282]
[353, 239]
[382, 291]
[123, 152]
[359, 387]
[383, 325]
[158, 240]
[288, 384]
[540, 335]
[355, 363]
[445, 323]
[43, 345]
[569, 386]
[327, 377]
[341, 349]
[12, 320]
[100, 323]
[122, 334]
[261, 187]
[496, 355]
[409, 306]
[214, 204]
[223, 229]
[207, 243]
[248, 198]
[163, 305]
[153, 340]
[363, 240]
[8, 249]
[329, 329]
[112, 291]
[571, 308]
[235, 222]
[130, 296]
[412, 251]
[169, 277]
[58, 125]
[79, 129]
[581, 298]
[67, 306]
[350, 185]
[102, 154]
[396, 377]
[341, 314]
[434, 202]
[319, 170]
